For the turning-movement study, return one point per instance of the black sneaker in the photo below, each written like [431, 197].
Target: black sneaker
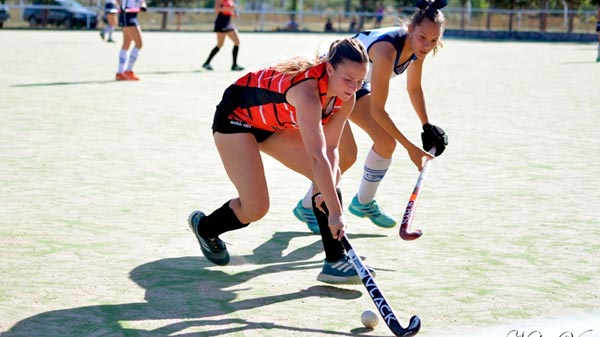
[214, 249]
[207, 67]
[235, 67]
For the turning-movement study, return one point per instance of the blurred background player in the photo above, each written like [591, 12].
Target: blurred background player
[110, 19]
[225, 10]
[379, 13]
[598, 31]
[295, 112]
[132, 32]
[392, 51]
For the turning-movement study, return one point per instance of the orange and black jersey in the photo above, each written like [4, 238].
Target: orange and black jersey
[227, 3]
[258, 99]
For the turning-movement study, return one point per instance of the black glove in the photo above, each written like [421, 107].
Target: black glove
[434, 136]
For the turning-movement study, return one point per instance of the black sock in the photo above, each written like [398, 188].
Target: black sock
[218, 222]
[333, 248]
[212, 54]
[235, 54]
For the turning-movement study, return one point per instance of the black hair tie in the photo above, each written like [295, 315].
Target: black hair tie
[435, 4]
[439, 4]
[422, 4]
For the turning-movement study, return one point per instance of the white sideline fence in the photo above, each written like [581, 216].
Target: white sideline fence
[252, 19]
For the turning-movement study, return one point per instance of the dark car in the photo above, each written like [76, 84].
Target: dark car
[4, 14]
[68, 13]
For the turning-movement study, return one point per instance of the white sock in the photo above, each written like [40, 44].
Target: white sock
[110, 30]
[374, 170]
[132, 58]
[307, 200]
[122, 60]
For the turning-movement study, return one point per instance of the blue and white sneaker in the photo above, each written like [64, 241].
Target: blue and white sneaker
[214, 249]
[340, 272]
[373, 212]
[307, 215]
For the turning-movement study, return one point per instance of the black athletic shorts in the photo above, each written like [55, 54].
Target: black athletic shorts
[222, 123]
[223, 24]
[128, 19]
[111, 8]
[365, 89]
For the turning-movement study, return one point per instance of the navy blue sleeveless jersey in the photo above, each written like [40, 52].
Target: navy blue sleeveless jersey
[394, 35]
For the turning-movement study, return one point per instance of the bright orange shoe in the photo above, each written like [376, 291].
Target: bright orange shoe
[131, 75]
[121, 77]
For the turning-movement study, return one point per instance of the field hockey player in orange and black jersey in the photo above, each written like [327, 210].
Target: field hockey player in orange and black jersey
[225, 10]
[295, 112]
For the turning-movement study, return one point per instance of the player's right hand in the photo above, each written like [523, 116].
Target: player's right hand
[337, 226]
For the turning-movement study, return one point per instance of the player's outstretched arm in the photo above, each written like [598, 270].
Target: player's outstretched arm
[383, 56]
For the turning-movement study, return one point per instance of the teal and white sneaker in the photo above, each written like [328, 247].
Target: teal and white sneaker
[214, 249]
[340, 272]
[373, 212]
[307, 215]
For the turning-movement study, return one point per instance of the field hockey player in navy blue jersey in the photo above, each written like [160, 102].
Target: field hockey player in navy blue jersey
[392, 51]
[132, 33]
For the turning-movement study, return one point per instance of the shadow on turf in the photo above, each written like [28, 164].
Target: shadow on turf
[186, 291]
[50, 84]
[580, 62]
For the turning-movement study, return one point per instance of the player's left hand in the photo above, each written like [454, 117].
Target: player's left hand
[434, 136]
